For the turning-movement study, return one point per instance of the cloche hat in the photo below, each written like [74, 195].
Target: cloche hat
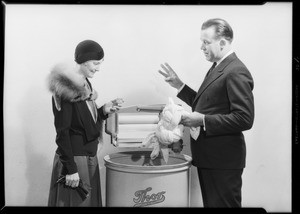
[88, 50]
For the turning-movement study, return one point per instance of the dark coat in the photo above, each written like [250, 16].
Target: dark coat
[225, 98]
[77, 133]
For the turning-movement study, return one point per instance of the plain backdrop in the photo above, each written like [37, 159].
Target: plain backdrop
[136, 39]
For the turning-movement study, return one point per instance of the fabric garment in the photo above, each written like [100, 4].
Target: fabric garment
[167, 132]
[225, 98]
[221, 188]
[211, 69]
[79, 125]
[194, 132]
[219, 151]
[77, 131]
[63, 196]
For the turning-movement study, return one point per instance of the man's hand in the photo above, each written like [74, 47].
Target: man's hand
[193, 119]
[112, 106]
[170, 76]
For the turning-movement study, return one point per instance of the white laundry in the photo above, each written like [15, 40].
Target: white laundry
[168, 130]
[195, 131]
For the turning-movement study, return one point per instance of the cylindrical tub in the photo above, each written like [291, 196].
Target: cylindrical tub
[134, 180]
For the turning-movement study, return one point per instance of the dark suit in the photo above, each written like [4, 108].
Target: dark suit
[225, 98]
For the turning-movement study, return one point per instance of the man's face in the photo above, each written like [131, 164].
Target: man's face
[90, 67]
[210, 45]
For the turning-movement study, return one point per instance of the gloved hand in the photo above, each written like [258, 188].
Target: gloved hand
[81, 188]
[176, 146]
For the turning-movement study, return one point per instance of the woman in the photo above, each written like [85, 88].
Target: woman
[78, 122]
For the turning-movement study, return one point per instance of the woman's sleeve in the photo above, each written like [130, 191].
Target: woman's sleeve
[62, 122]
[101, 115]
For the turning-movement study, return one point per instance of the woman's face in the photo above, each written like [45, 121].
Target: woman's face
[89, 68]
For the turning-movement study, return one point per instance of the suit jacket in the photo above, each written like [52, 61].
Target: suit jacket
[225, 98]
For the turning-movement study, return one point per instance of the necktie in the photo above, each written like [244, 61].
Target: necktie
[212, 68]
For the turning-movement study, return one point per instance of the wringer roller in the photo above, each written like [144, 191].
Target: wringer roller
[131, 125]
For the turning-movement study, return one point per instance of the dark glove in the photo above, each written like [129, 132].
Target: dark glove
[176, 146]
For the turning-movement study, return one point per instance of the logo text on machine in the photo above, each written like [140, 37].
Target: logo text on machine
[143, 198]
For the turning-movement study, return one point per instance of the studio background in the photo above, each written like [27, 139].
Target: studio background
[136, 40]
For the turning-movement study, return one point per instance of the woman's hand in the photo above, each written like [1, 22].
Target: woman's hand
[72, 180]
[112, 106]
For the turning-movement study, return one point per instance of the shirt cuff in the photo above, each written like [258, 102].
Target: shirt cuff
[204, 122]
[180, 88]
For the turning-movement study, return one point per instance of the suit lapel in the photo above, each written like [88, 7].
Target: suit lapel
[207, 81]
[218, 71]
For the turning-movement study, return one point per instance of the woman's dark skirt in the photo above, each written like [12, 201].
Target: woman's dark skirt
[88, 170]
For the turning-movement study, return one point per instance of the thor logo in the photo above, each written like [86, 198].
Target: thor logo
[143, 199]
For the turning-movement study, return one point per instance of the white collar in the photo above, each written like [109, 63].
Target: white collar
[226, 55]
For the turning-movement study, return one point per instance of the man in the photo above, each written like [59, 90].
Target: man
[221, 109]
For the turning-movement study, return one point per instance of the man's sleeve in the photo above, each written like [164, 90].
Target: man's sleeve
[187, 95]
[239, 86]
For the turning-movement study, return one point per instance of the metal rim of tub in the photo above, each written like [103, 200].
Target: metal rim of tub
[147, 169]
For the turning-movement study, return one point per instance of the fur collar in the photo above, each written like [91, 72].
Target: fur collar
[65, 84]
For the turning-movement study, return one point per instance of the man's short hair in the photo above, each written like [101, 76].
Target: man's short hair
[222, 28]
